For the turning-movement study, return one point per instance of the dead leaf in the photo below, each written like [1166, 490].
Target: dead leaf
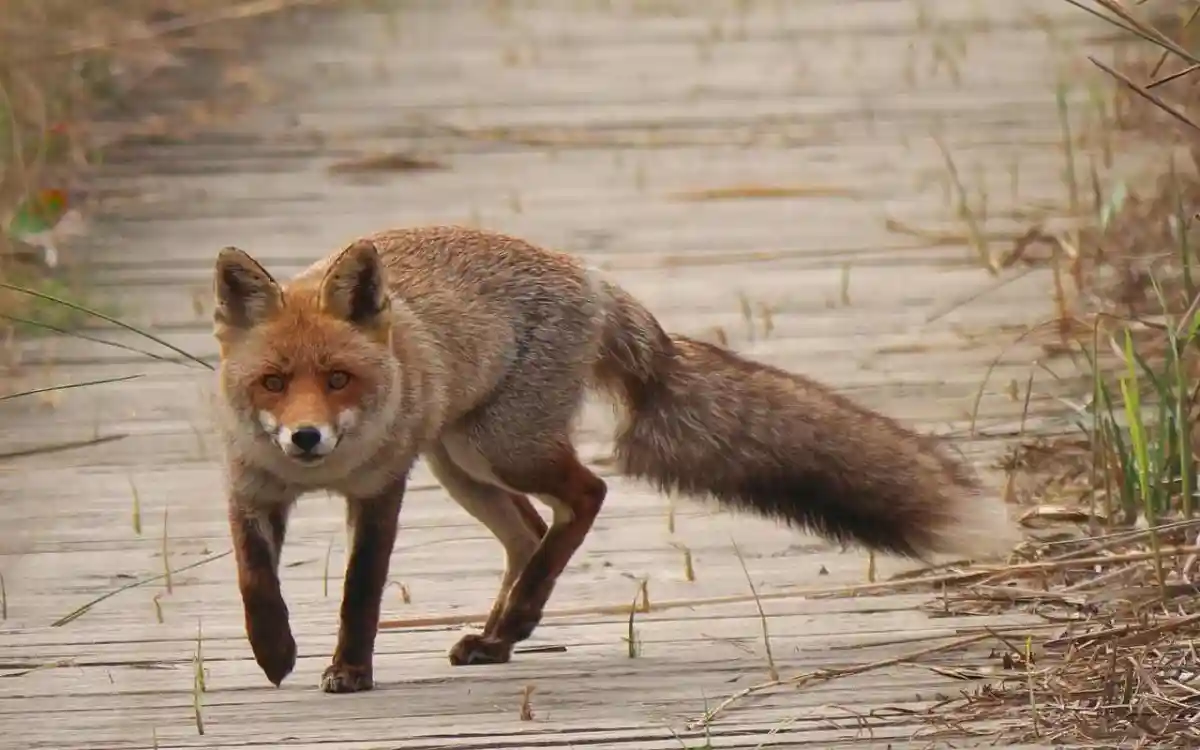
[390, 162]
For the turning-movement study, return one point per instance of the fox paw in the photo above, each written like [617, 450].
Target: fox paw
[480, 649]
[346, 678]
[274, 651]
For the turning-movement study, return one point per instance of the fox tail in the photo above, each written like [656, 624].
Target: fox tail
[700, 420]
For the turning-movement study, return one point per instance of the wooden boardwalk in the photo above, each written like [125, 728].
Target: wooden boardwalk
[747, 168]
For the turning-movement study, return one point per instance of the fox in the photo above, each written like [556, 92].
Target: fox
[474, 351]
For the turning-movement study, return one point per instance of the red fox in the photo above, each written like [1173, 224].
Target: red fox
[475, 350]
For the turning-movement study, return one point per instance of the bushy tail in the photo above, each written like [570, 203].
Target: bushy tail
[702, 421]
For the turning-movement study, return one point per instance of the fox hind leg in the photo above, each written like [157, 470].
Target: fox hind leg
[508, 515]
[520, 440]
[575, 495]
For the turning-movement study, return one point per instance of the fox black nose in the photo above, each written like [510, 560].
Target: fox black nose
[306, 438]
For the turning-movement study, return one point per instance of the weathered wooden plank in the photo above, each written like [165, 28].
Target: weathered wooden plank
[577, 124]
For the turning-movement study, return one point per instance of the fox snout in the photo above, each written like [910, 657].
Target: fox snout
[307, 438]
[308, 442]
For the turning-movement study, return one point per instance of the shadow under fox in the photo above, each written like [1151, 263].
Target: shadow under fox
[474, 351]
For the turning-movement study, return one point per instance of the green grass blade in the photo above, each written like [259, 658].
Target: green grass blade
[1114, 437]
[1174, 418]
[1131, 394]
[1098, 436]
[1138, 437]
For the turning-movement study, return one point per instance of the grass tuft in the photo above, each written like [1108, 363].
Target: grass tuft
[137, 507]
[63, 66]
[166, 552]
[641, 602]
[689, 568]
[199, 686]
[525, 710]
[1122, 586]
[772, 671]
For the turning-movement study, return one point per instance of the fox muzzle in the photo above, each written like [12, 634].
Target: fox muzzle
[307, 442]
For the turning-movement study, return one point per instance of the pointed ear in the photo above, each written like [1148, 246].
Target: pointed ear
[246, 294]
[354, 288]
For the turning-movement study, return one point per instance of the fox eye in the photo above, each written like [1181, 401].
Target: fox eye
[338, 379]
[273, 383]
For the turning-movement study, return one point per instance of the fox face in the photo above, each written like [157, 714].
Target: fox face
[307, 366]
[307, 407]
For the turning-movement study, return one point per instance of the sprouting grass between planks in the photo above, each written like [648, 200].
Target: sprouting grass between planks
[1140, 429]
[199, 686]
[641, 602]
[772, 670]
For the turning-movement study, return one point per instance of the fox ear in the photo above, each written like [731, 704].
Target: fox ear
[246, 294]
[354, 288]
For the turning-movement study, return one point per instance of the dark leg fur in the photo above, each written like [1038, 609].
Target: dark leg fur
[373, 523]
[257, 539]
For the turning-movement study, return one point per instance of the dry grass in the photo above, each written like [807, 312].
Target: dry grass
[1111, 566]
[1116, 586]
[1118, 662]
[72, 80]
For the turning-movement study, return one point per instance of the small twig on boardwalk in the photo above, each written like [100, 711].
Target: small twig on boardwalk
[823, 675]
[75, 615]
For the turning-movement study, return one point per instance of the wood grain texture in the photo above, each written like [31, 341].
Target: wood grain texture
[629, 133]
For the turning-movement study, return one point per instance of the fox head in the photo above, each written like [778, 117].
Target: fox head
[305, 365]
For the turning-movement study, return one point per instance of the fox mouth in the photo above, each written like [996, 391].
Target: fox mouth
[304, 458]
[308, 459]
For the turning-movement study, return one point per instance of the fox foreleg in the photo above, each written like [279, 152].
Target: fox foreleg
[258, 535]
[373, 523]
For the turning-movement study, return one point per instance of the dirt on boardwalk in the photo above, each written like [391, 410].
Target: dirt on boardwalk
[836, 187]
